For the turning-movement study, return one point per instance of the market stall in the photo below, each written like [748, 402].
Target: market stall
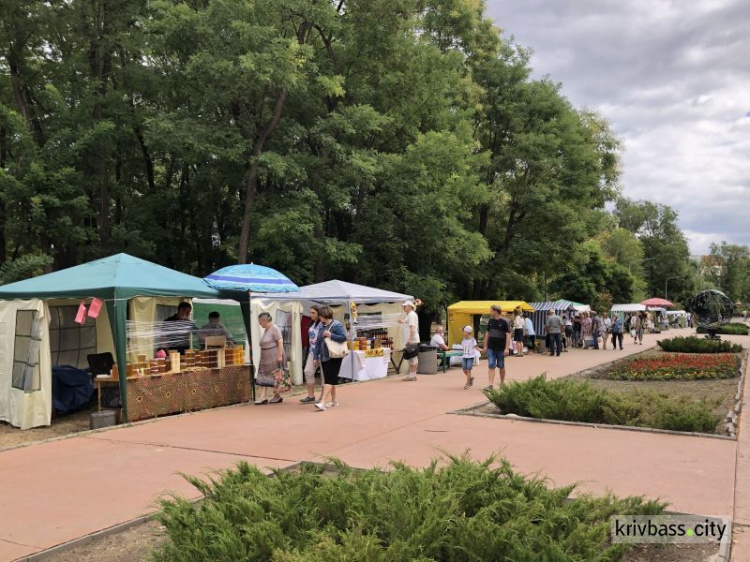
[622, 310]
[371, 316]
[539, 316]
[108, 306]
[461, 313]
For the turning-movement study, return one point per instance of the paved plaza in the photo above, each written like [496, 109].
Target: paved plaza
[58, 491]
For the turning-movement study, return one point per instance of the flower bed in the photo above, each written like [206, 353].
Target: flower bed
[676, 366]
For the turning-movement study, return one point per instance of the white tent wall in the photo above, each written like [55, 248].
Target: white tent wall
[25, 409]
[294, 308]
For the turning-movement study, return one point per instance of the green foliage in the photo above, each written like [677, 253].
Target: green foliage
[693, 344]
[733, 329]
[453, 510]
[579, 401]
[29, 265]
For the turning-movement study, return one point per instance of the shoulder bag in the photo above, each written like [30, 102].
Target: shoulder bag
[411, 351]
[336, 350]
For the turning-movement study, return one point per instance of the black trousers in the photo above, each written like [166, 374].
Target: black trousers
[616, 338]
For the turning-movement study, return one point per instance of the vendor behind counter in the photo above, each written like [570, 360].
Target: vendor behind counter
[178, 329]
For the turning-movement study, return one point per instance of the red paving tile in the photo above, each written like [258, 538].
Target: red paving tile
[54, 492]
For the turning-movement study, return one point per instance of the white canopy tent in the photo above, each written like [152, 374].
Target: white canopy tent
[340, 295]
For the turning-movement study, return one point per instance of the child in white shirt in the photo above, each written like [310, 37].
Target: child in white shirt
[469, 345]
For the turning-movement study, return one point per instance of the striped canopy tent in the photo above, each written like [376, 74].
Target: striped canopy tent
[542, 309]
[242, 282]
[250, 278]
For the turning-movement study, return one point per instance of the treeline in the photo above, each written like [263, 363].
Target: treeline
[398, 143]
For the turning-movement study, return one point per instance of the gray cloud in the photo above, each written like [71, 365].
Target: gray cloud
[674, 80]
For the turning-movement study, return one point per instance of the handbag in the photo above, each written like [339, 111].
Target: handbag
[336, 350]
[283, 380]
[411, 351]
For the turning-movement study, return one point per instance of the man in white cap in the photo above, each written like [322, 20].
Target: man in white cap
[410, 336]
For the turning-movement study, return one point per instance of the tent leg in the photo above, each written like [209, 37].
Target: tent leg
[118, 319]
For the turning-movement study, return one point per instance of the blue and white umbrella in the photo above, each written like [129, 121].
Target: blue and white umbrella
[251, 277]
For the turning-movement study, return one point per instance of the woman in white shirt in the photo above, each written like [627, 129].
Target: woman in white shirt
[518, 327]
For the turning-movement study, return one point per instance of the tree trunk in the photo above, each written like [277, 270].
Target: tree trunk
[251, 176]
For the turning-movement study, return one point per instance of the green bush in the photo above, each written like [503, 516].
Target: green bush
[694, 344]
[731, 329]
[458, 511]
[579, 401]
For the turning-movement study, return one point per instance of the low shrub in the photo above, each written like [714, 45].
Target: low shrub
[676, 366]
[693, 344]
[459, 510]
[731, 329]
[579, 401]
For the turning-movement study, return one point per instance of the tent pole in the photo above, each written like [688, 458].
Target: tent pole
[117, 310]
[352, 334]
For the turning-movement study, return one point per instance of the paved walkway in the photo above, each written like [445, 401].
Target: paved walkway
[54, 492]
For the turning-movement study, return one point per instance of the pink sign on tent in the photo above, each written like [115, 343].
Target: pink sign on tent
[81, 316]
[95, 307]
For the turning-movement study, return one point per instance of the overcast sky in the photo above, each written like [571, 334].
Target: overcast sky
[673, 78]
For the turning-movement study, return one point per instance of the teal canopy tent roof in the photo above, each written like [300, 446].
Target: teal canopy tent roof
[117, 277]
[115, 280]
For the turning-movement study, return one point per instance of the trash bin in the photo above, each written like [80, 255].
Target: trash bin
[105, 418]
[427, 360]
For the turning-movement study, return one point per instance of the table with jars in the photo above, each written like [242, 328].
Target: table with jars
[197, 380]
[368, 359]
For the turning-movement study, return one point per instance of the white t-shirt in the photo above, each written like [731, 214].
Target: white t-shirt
[437, 341]
[518, 322]
[469, 345]
[529, 327]
[410, 320]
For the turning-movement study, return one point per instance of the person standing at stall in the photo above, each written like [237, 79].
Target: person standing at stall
[270, 369]
[530, 332]
[310, 368]
[496, 345]
[554, 328]
[178, 329]
[410, 336]
[333, 329]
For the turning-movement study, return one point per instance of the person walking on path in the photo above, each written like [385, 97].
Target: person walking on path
[469, 345]
[410, 336]
[606, 323]
[596, 328]
[333, 329]
[310, 368]
[496, 345]
[577, 331]
[530, 332]
[554, 328]
[616, 332]
[640, 326]
[568, 333]
[587, 328]
[518, 326]
[271, 361]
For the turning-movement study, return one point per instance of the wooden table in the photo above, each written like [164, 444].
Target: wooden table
[106, 381]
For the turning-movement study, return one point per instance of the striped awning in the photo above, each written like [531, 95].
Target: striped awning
[251, 277]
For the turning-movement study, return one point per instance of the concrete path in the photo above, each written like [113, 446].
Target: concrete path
[55, 492]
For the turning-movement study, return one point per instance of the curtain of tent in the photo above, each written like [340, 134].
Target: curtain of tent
[117, 309]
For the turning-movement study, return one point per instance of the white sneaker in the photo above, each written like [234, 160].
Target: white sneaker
[320, 406]
[332, 404]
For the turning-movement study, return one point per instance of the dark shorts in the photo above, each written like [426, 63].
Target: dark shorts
[518, 334]
[331, 370]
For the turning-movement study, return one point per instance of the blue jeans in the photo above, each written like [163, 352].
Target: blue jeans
[467, 363]
[496, 358]
[596, 339]
[555, 346]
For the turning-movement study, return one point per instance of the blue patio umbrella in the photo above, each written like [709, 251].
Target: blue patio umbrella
[251, 278]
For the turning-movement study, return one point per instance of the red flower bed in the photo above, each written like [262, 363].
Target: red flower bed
[673, 366]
